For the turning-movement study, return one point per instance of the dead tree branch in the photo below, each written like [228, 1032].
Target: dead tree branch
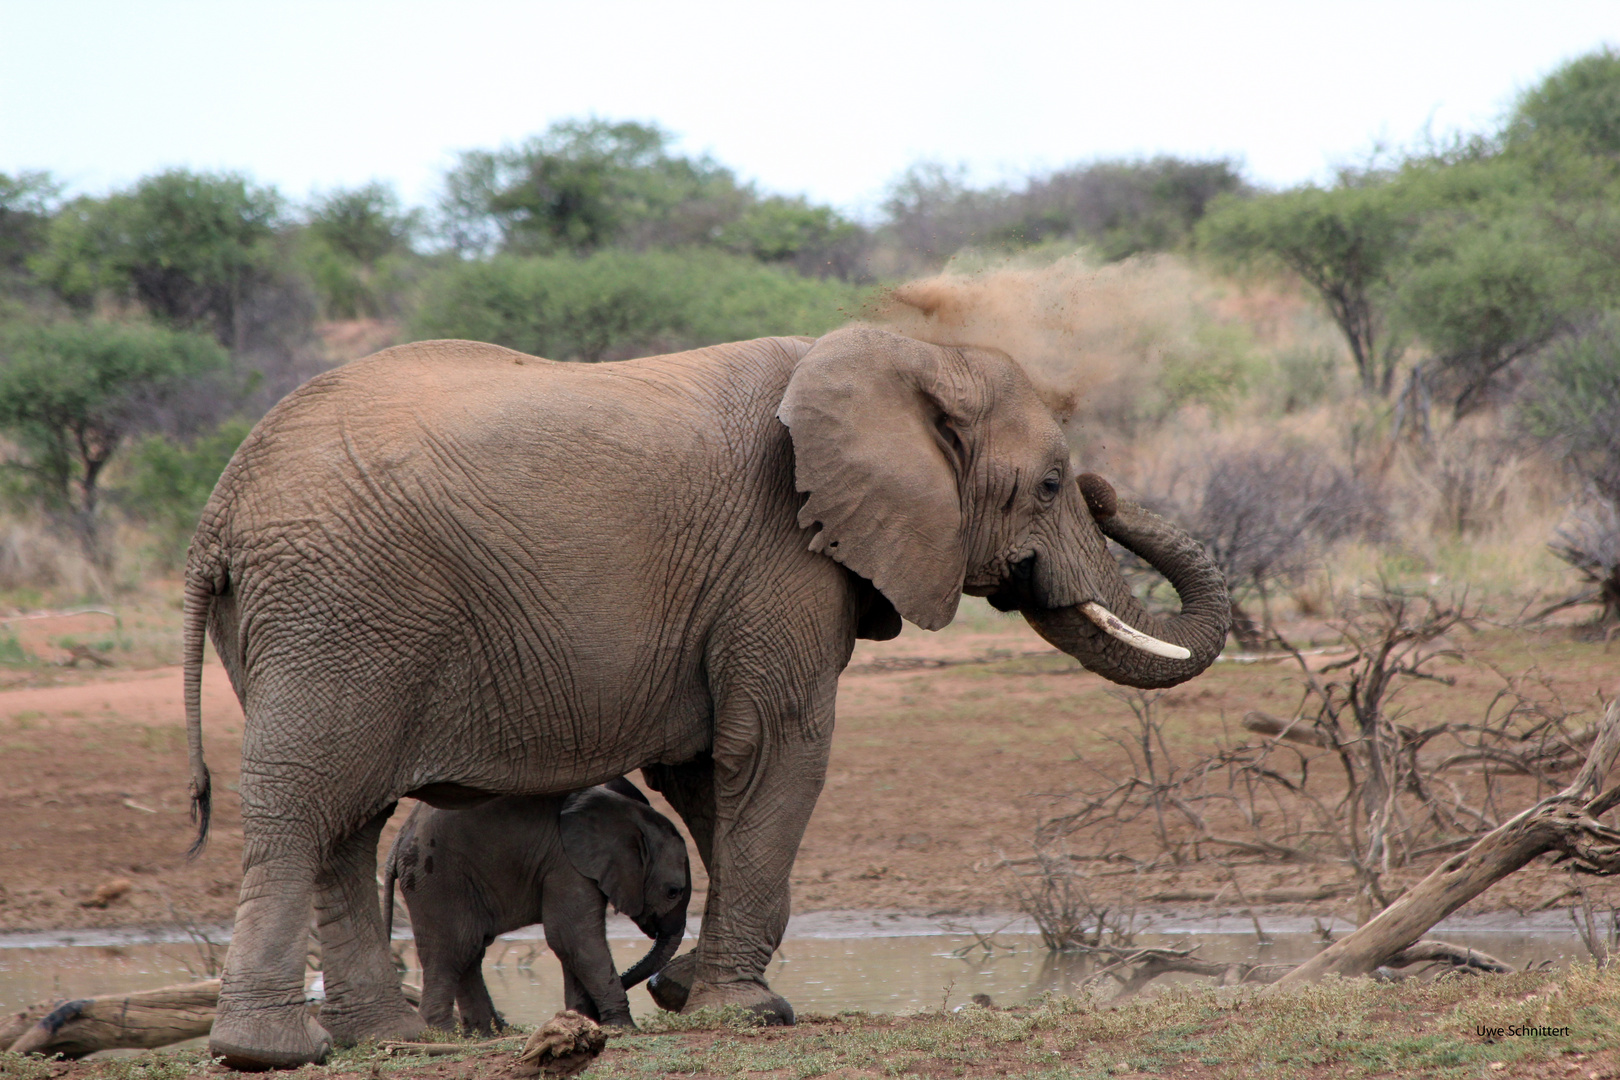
[1566, 823]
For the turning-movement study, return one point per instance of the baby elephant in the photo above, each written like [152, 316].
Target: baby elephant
[468, 875]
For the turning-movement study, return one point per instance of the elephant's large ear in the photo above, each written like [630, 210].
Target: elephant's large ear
[602, 837]
[877, 450]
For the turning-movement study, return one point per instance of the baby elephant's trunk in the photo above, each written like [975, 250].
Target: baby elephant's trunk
[664, 946]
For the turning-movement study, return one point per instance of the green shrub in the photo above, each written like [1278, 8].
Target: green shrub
[72, 392]
[1573, 404]
[616, 303]
[356, 249]
[1305, 377]
[1215, 370]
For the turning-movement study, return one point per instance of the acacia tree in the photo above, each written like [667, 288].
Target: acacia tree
[355, 245]
[1580, 100]
[72, 392]
[585, 185]
[1346, 242]
[189, 248]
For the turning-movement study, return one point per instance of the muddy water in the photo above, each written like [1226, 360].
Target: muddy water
[836, 961]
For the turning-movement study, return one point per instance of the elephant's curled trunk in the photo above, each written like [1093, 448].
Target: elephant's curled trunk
[1200, 628]
[664, 946]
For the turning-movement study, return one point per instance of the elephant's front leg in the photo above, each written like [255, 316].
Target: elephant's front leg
[689, 787]
[576, 929]
[770, 762]
[363, 996]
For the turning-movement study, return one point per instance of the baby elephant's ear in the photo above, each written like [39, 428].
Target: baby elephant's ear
[602, 838]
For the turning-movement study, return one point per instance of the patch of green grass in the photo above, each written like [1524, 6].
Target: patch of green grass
[11, 650]
[1341, 1028]
[162, 739]
[26, 1066]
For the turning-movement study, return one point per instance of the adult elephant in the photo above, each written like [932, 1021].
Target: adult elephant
[452, 571]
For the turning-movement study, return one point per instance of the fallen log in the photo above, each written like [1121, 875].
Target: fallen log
[140, 1021]
[1458, 957]
[1566, 823]
[13, 1026]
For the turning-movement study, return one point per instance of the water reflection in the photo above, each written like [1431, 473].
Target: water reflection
[823, 975]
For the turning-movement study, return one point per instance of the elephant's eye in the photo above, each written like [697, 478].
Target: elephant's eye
[1050, 487]
[674, 893]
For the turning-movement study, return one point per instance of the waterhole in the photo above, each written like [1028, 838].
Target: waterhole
[827, 963]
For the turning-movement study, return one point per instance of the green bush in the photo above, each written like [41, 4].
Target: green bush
[356, 249]
[1573, 404]
[1482, 293]
[1580, 100]
[616, 303]
[71, 393]
[170, 481]
[1304, 377]
[1216, 370]
[190, 248]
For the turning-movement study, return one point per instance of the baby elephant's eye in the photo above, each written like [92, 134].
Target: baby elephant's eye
[674, 893]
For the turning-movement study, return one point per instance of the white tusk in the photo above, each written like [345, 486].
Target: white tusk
[1112, 625]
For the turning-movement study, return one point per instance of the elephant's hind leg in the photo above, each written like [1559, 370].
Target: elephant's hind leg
[261, 1022]
[363, 996]
[477, 1008]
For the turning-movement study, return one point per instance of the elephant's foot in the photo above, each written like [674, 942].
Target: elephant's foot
[752, 995]
[670, 985]
[274, 1037]
[353, 1022]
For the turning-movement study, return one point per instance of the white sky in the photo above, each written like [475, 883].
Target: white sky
[829, 98]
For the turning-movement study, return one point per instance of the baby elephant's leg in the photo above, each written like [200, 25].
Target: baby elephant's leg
[576, 930]
[446, 958]
[575, 997]
[477, 1009]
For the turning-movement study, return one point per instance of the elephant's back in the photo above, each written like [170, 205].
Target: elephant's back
[504, 845]
[448, 406]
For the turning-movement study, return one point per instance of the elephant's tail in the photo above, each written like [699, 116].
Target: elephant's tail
[199, 600]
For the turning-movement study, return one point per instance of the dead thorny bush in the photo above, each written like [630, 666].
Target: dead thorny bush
[1468, 474]
[1590, 542]
[1267, 514]
[1056, 895]
[1351, 777]
[1602, 941]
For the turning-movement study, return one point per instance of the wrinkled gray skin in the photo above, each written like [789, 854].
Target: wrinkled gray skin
[453, 571]
[469, 875]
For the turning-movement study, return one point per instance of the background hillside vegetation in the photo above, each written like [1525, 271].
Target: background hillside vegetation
[1411, 370]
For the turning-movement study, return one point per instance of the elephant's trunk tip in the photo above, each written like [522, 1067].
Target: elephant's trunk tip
[663, 948]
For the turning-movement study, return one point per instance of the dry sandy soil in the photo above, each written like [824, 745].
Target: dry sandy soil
[947, 747]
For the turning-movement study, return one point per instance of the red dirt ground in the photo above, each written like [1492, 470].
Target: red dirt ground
[944, 745]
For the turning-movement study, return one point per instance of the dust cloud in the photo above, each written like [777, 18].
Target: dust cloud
[1090, 337]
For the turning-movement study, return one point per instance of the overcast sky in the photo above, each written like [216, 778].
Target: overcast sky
[830, 99]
